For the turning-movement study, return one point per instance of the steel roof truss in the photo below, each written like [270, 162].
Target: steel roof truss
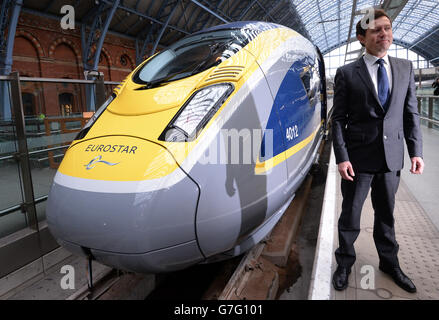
[95, 35]
[10, 10]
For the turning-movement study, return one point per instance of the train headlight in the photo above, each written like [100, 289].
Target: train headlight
[196, 113]
[95, 116]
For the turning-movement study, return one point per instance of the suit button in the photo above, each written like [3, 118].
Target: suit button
[385, 137]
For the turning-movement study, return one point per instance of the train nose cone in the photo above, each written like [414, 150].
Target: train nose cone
[142, 225]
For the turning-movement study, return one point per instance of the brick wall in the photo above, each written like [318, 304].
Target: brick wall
[43, 49]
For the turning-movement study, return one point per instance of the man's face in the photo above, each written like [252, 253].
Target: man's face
[378, 38]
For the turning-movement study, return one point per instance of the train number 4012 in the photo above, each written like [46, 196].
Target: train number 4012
[292, 132]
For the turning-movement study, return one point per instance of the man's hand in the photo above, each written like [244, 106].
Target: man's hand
[417, 165]
[346, 170]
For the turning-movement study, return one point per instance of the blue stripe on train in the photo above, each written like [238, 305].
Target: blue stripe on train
[291, 108]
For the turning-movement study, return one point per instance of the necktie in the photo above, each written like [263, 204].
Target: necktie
[383, 84]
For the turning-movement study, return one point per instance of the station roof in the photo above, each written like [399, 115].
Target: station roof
[415, 22]
[327, 23]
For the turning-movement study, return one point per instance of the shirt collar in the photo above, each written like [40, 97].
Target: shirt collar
[371, 59]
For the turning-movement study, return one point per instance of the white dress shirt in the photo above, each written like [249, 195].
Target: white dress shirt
[372, 67]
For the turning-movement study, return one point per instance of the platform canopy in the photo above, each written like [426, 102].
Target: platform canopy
[327, 23]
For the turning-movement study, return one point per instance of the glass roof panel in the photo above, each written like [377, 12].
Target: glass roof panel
[416, 20]
[327, 21]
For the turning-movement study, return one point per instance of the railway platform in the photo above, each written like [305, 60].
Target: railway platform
[417, 232]
[417, 225]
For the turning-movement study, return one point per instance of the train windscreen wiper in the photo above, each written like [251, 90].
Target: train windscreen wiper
[156, 82]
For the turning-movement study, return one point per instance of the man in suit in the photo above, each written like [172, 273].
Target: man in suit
[375, 109]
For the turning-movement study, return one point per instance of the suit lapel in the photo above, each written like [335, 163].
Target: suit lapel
[365, 77]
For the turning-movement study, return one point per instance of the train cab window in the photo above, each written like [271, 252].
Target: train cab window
[311, 81]
[305, 76]
[191, 55]
[315, 81]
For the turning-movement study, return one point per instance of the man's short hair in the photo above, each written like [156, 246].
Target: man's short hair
[378, 13]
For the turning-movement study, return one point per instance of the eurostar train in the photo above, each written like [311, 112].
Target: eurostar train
[198, 152]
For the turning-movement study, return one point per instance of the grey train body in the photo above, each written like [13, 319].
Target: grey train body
[214, 210]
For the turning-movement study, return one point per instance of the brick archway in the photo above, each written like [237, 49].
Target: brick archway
[107, 54]
[67, 42]
[27, 35]
[131, 61]
[106, 63]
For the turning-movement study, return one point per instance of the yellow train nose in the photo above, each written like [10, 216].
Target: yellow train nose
[126, 200]
[117, 158]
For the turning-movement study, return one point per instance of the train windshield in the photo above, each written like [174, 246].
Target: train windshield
[192, 55]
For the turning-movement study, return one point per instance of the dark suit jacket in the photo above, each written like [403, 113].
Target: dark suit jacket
[365, 135]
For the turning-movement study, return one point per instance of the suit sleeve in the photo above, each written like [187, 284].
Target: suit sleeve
[412, 130]
[339, 117]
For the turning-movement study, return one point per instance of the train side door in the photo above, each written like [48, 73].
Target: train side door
[292, 103]
[311, 79]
